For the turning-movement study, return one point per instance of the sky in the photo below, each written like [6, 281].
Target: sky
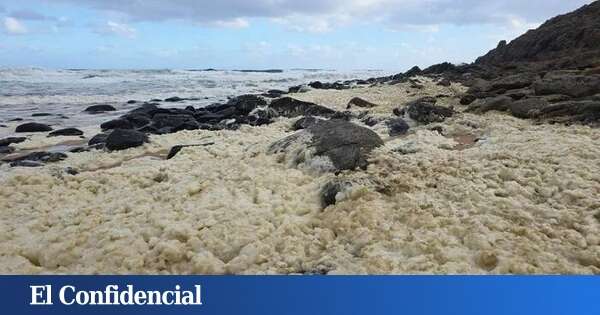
[261, 34]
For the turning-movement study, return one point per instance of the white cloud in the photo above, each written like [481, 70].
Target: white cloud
[232, 23]
[323, 15]
[119, 29]
[14, 27]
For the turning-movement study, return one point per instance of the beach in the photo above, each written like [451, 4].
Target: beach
[481, 194]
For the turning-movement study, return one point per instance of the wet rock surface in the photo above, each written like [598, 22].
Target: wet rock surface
[100, 109]
[425, 111]
[121, 139]
[330, 145]
[33, 127]
[66, 132]
[289, 107]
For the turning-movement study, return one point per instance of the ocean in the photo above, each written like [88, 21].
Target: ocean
[64, 94]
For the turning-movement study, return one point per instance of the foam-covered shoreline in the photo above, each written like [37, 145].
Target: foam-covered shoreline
[523, 199]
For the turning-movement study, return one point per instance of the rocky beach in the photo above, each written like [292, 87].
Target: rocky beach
[483, 168]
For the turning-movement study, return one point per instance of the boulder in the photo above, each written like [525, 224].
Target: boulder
[359, 102]
[11, 140]
[100, 108]
[568, 83]
[174, 99]
[397, 127]
[117, 124]
[330, 145]
[527, 108]
[145, 110]
[136, 119]
[66, 132]
[289, 107]
[33, 127]
[121, 139]
[245, 104]
[424, 111]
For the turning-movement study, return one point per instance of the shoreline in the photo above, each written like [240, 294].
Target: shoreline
[499, 200]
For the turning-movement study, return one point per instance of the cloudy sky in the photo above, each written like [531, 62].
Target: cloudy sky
[340, 34]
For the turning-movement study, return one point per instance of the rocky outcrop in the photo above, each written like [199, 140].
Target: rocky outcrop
[571, 83]
[552, 72]
[121, 139]
[566, 41]
[331, 145]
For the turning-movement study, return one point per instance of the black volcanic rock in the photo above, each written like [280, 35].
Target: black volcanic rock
[344, 144]
[289, 107]
[136, 119]
[99, 109]
[11, 140]
[117, 124]
[145, 110]
[172, 120]
[174, 99]
[244, 104]
[33, 127]
[425, 111]
[397, 126]
[568, 83]
[121, 139]
[66, 132]
[527, 108]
